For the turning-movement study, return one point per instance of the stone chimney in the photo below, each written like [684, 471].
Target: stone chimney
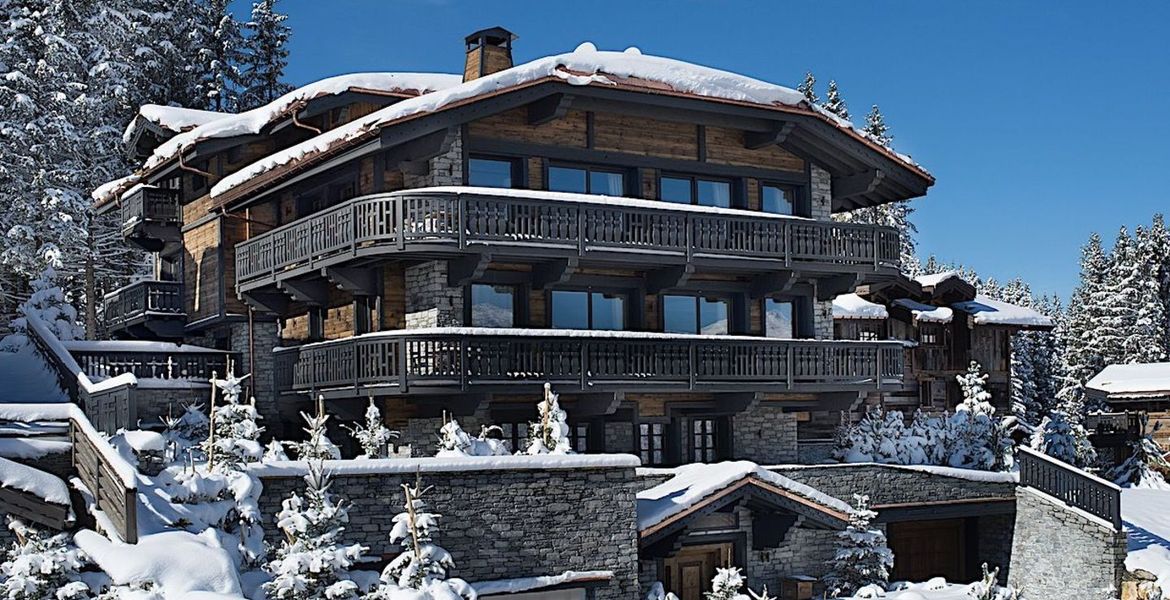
[488, 51]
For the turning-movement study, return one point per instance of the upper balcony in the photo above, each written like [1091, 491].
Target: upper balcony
[531, 226]
[146, 309]
[151, 217]
[463, 360]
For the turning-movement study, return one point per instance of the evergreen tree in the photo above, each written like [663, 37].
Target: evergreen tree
[423, 564]
[318, 446]
[876, 128]
[862, 557]
[222, 57]
[1146, 339]
[266, 56]
[373, 435]
[310, 562]
[1145, 467]
[808, 87]
[1062, 438]
[1084, 354]
[41, 568]
[550, 433]
[834, 103]
[47, 303]
[234, 437]
[978, 440]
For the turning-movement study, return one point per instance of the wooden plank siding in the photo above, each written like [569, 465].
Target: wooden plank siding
[201, 270]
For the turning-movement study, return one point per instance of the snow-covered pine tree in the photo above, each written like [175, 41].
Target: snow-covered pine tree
[876, 128]
[37, 567]
[372, 435]
[978, 440]
[1062, 438]
[318, 446]
[423, 564]
[1080, 337]
[834, 103]
[808, 87]
[1146, 339]
[274, 451]
[1156, 249]
[47, 302]
[454, 441]
[862, 557]
[222, 57]
[1120, 301]
[234, 436]
[311, 563]
[265, 57]
[549, 434]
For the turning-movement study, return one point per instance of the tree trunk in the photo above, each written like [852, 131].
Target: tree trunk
[90, 286]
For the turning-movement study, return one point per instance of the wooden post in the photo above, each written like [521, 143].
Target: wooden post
[211, 424]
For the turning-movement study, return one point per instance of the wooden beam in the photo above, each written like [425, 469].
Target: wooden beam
[754, 140]
[363, 282]
[831, 287]
[554, 272]
[737, 402]
[668, 277]
[549, 109]
[315, 293]
[596, 405]
[772, 283]
[266, 301]
[465, 269]
[421, 149]
[857, 184]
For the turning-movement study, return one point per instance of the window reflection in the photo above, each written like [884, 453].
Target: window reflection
[492, 306]
[488, 172]
[778, 319]
[777, 200]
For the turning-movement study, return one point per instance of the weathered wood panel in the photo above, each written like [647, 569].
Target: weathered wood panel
[649, 137]
[201, 270]
[726, 146]
[513, 125]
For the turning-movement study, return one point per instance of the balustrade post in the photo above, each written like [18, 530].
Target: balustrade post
[354, 227]
[403, 380]
[877, 235]
[584, 366]
[693, 356]
[463, 375]
[787, 243]
[879, 367]
[460, 216]
[788, 359]
[690, 227]
[580, 231]
[398, 219]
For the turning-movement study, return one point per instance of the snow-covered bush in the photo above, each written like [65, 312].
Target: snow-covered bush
[234, 437]
[549, 434]
[454, 441]
[988, 587]
[48, 303]
[658, 592]
[862, 557]
[422, 565]
[310, 563]
[725, 585]
[318, 446]
[1060, 437]
[372, 436]
[977, 438]
[1145, 467]
[274, 451]
[227, 501]
[41, 568]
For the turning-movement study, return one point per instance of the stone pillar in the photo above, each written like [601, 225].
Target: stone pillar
[266, 337]
[764, 434]
[822, 319]
[445, 169]
[430, 301]
[822, 194]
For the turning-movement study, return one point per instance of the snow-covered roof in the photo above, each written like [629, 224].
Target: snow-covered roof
[985, 311]
[174, 119]
[694, 483]
[1150, 380]
[936, 278]
[583, 67]
[410, 466]
[32, 448]
[253, 121]
[852, 306]
[527, 584]
[21, 477]
[926, 313]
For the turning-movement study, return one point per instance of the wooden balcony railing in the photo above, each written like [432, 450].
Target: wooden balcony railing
[1071, 485]
[148, 362]
[469, 359]
[142, 299]
[445, 220]
[151, 204]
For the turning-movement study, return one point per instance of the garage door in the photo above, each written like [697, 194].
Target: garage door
[925, 549]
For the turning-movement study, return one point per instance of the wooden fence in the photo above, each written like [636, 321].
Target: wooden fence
[1071, 485]
[107, 476]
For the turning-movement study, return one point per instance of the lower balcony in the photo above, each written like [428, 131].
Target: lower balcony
[146, 309]
[470, 360]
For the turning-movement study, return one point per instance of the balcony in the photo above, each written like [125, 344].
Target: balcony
[456, 360]
[146, 309]
[151, 218]
[525, 226]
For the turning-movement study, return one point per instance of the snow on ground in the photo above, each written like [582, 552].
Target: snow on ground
[933, 589]
[181, 562]
[28, 378]
[1146, 513]
[523, 584]
[1133, 380]
[49, 487]
[852, 306]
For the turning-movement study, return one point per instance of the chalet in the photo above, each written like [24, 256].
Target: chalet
[653, 238]
[1139, 389]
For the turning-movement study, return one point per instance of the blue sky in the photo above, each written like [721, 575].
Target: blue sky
[1042, 121]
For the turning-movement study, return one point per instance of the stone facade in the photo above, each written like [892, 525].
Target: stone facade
[445, 169]
[1063, 554]
[822, 319]
[154, 403]
[430, 301]
[764, 434]
[500, 524]
[821, 194]
[886, 484]
[619, 437]
[265, 335]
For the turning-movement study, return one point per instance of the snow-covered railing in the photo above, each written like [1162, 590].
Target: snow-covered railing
[453, 219]
[1071, 485]
[148, 360]
[141, 299]
[465, 358]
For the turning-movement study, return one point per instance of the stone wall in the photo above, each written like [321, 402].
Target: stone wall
[887, 484]
[764, 434]
[265, 335]
[619, 437]
[445, 169]
[805, 550]
[822, 319]
[154, 403]
[430, 302]
[821, 193]
[497, 524]
[1063, 554]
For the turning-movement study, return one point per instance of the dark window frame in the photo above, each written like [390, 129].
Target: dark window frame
[628, 175]
[735, 187]
[705, 453]
[652, 431]
[626, 295]
[519, 305]
[518, 163]
[801, 201]
[732, 326]
[802, 317]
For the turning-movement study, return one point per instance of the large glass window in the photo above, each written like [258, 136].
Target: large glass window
[490, 172]
[586, 180]
[779, 318]
[778, 199]
[492, 305]
[651, 441]
[588, 310]
[579, 437]
[695, 314]
[691, 190]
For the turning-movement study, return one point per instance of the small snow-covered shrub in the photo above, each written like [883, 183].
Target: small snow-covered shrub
[318, 446]
[550, 433]
[310, 562]
[988, 587]
[1063, 439]
[372, 436]
[1145, 467]
[48, 303]
[862, 557]
[233, 436]
[41, 568]
[454, 441]
[658, 592]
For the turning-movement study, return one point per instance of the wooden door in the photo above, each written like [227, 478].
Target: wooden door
[925, 549]
[688, 573]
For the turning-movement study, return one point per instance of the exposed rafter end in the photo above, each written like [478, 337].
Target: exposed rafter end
[362, 282]
[754, 140]
[772, 283]
[266, 302]
[315, 293]
[668, 277]
[465, 269]
[830, 288]
[858, 184]
[549, 108]
[554, 272]
[597, 405]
